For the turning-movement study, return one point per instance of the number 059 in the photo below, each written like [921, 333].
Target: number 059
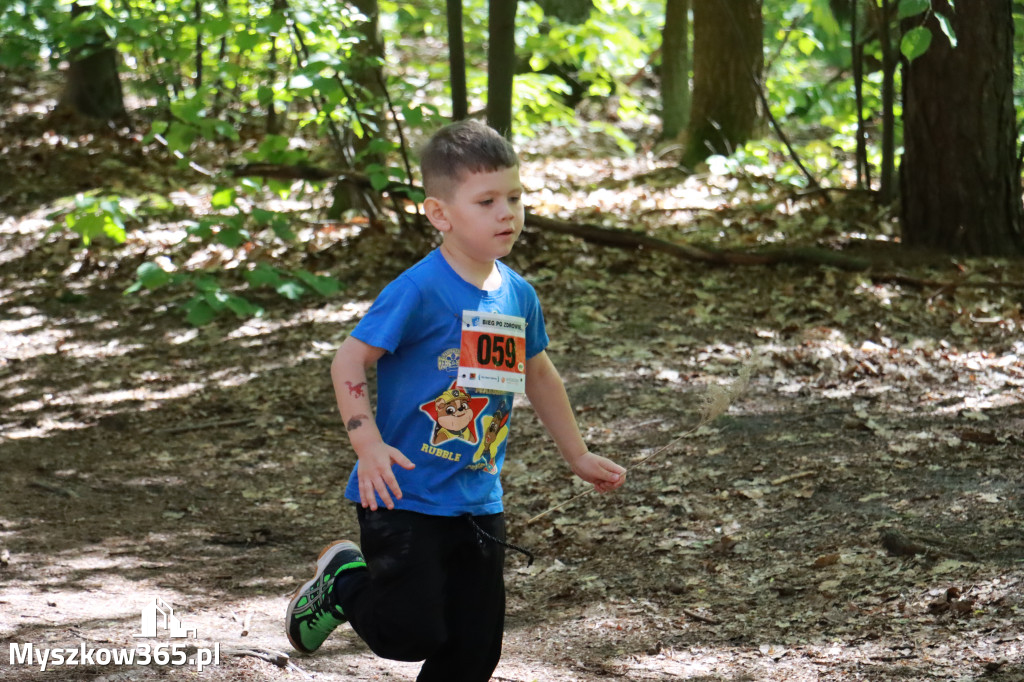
[496, 350]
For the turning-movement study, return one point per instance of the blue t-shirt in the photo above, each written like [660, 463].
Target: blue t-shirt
[456, 437]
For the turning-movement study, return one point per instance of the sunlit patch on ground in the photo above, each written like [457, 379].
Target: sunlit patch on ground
[142, 457]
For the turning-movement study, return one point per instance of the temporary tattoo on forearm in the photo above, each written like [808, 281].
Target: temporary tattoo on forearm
[356, 390]
[355, 422]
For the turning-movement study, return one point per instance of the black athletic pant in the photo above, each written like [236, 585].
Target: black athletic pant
[434, 592]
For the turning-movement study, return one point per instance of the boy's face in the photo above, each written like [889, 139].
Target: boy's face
[483, 217]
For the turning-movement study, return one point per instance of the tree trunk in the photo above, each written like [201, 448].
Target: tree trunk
[197, 14]
[275, 122]
[728, 59]
[675, 69]
[367, 72]
[857, 61]
[501, 63]
[457, 61]
[92, 85]
[890, 61]
[959, 176]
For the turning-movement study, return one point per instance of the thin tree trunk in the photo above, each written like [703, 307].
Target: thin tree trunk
[198, 16]
[275, 123]
[366, 70]
[501, 63]
[857, 60]
[675, 69]
[889, 63]
[457, 60]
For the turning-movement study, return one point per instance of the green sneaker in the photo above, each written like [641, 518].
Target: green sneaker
[312, 616]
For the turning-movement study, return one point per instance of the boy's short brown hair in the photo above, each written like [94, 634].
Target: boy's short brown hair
[463, 147]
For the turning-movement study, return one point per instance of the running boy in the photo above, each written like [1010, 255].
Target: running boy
[454, 338]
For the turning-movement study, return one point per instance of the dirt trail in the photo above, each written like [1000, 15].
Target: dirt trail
[143, 459]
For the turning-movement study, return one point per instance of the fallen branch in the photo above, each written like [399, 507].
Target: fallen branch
[278, 658]
[53, 488]
[897, 544]
[900, 544]
[181, 157]
[607, 236]
[793, 477]
[279, 171]
[625, 238]
[697, 617]
[797, 255]
[635, 239]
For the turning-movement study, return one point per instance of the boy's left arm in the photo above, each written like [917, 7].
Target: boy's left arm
[547, 394]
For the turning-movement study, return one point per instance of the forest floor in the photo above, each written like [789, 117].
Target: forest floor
[856, 514]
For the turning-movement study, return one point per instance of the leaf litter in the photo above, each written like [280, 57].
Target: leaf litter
[854, 514]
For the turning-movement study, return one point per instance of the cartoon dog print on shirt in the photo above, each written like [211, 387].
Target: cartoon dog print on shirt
[495, 431]
[454, 413]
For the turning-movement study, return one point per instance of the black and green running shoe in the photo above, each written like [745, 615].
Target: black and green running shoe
[312, 613]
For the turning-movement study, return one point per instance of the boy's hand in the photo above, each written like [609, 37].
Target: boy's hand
[603, 473]
[376, 476]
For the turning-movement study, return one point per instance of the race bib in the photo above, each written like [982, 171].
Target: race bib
[493, 352]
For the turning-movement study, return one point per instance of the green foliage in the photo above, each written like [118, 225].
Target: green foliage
[95, 216]
[580, 47]
[573, 35]
[214, 74]
[24, 25]
[915, 42]
[222, 75]
[211, 300]
[810, 80]
[223, 64]
[917, 39]
[292, 285]
[211, 293]
[912, 8]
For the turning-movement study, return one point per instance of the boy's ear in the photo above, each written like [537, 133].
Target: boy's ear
[436, 214]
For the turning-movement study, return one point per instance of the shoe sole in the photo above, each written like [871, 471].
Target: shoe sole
[321, 566]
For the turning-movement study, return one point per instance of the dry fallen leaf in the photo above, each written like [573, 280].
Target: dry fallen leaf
[826, 560]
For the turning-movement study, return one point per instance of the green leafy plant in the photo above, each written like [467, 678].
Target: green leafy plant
[212, 295]
[209, 298]
[95, 216]
[577, 50]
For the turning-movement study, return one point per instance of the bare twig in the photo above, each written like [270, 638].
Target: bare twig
[403, 146]
[793, 477]
[246, 623]
[278, 658]
[703, 619]
[178, 155]
[53, 488]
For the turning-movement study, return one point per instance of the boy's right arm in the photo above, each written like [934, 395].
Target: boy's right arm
[348, 373]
